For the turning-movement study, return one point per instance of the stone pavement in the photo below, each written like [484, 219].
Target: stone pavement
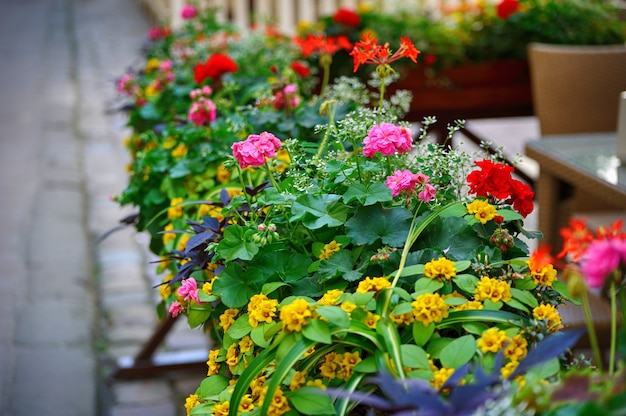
[70, 305]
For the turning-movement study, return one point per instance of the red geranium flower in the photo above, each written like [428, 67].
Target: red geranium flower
[506, 8]
[494, 180]
[347, 17]
[216, 66]
[300, 69]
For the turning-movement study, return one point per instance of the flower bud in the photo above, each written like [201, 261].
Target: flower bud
[261, 227]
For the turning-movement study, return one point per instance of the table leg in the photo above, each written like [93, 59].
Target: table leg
[547, 193]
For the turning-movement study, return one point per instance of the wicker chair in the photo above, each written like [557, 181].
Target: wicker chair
[576, 88]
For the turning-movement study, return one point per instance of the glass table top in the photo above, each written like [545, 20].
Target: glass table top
[593, 153]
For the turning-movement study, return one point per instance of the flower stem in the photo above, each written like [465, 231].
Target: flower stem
[272, 179]
[593, 339]
[613, 328]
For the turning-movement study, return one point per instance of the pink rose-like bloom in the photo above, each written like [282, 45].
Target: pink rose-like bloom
[188, 12]
[387, 139]
[189, 290]
[176, 308]
[402, 180]
[428, 193]
[254, 150]
[202, 111]
[601, 258]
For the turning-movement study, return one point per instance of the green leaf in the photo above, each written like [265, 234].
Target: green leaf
[335, 315]
[413, 270]
[212, 386]
[317, 330]
[458, 352]
[402, 308]
[413, 356]
[466, 282]
[514, 303]
[240, 328]
[421, 333]
[373, 223]
[317, 211]
[236, 244]
[509, 215]
[283, 265]
[462, 265]
[452, 234]
[311, 401]
[263, 333]
[196, 317]
[339, 264]
[180, 169]
[476, 328]
[272, 286]
[235, 287]
[368, 365]
[525, 284]
[367, 195]
[427, 285]
[491, 305]
[524, 297]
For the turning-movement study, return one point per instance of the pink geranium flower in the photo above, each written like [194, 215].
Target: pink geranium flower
[176, 308]
[402, 181]
[202, 111]
[601, 258]
[189, 290]
[188, 12]
[428, 193]
[387, 139]
[255, 149]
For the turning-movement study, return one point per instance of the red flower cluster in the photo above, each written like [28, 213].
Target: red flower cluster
[217, 65]
[301, 69]
[347, 17]
[506, 8]
[321, 44]
[577, 237]
[494, 180]
[368, 51]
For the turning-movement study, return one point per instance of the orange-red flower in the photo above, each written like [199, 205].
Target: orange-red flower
[369, 51]
[540, 258]
[321, 44]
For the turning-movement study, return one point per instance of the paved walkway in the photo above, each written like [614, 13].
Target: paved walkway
[69, 305]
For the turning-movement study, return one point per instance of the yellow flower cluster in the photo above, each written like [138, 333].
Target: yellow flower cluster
[175, 210]
[331, 297]
[227, 319]
[167, 237]
[165, 289]
[329, 249]
[492, 340]
[295, 315]
[211, 211]
[212, 364]
[190, 402]
[440, 376]
[482, 210]
[550, 314]
[180, 151]
[439, 269]
[279, 405]
[375, 284]
[261, 309]
[338, 365]
[544, 276]
[429, 307]
[492, 289]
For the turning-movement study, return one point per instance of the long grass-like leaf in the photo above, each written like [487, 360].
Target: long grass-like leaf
[484, 315]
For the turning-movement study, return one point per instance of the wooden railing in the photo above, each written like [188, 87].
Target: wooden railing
[283, 14]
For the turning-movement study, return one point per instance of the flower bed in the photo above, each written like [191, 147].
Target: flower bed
[327, 251]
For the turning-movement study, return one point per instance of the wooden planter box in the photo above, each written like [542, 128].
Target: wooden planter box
[492, 89]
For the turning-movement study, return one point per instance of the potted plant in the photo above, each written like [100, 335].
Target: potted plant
[474, 56]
